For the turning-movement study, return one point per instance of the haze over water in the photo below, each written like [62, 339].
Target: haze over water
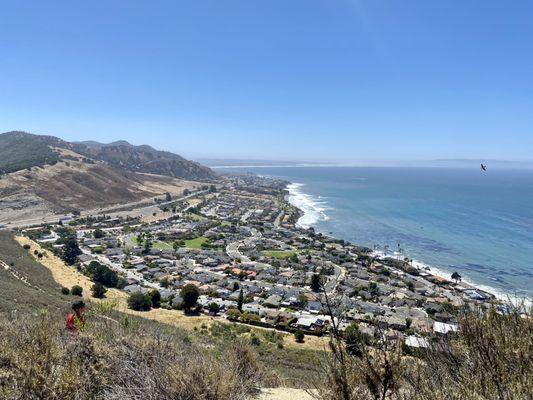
[479, 224]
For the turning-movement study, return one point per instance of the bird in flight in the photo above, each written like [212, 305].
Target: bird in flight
[483, 167]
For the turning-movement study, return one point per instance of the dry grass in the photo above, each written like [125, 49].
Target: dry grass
[114, 360]
[491, 358]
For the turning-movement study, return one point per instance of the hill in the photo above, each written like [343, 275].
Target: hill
[44, 175]
[144, 159]
[20, 150]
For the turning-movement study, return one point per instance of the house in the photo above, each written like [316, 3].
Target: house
[314, 307]
[273, 301]
[416, 342]
[444, 328]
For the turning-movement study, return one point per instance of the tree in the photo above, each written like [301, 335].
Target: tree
[102, 274]
[299, 336]
[355, 340]
[214, 308]
[98, 233]
[65, 291]
[373, 289]
[302, 300]
[168, 197]
[235, 286]
[189, 294]
[456, 277]
[76, 290]
[71, 251]
[155, 296]
[147, 246]
[316, 282]
[240, 300]
[139, 301]
[98, 290]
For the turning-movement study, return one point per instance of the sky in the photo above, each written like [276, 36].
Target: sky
[310, 80]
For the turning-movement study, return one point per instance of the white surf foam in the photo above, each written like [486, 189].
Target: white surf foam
[313, 208]
[501, 295]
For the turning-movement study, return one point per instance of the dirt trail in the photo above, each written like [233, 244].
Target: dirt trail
[18, 276]
[284, 394]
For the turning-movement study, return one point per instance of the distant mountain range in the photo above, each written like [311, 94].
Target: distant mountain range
[40, 175]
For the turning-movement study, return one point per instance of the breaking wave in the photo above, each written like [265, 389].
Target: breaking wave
[313, 208]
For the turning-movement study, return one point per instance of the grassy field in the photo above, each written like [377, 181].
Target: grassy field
[279, 254]
[196, 243]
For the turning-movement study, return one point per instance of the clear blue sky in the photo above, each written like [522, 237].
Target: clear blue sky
[325, 80]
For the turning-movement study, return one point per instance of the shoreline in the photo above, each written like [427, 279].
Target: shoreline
[311, 206]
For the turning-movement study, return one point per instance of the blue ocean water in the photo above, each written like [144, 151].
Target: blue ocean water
[478, 224]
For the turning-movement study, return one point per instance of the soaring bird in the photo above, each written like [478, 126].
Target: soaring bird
[483, 167]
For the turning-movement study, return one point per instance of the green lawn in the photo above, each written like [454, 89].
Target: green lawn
[196, 217]
[279, 254]
[196, 243]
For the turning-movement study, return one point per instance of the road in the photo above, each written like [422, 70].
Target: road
[233, 251]
[142, 210]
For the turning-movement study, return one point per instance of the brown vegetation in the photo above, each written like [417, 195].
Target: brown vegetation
[490, 358]
[117, 359]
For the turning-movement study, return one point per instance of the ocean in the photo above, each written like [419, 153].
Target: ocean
[479, 224]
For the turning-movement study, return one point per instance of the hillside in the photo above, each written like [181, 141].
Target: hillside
[144, 159]
[24, 284]
[44, 175]
[20, 150]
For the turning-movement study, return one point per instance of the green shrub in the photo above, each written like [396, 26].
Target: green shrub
[98, 290]
[76, 290]
[140, 301]
[299, 336]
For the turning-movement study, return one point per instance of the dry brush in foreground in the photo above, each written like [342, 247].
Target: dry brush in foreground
[116, 359]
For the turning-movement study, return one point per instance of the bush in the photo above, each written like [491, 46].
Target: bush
[65, 291]
[98, 233]
[140, 301]
[98, 290]
[26, 246]
[255, 340]
[155, 297]
[299, 336]
[214, 308]
[233, 314]
[76, 290]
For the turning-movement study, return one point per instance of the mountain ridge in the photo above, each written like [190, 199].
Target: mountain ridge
[20, 150]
